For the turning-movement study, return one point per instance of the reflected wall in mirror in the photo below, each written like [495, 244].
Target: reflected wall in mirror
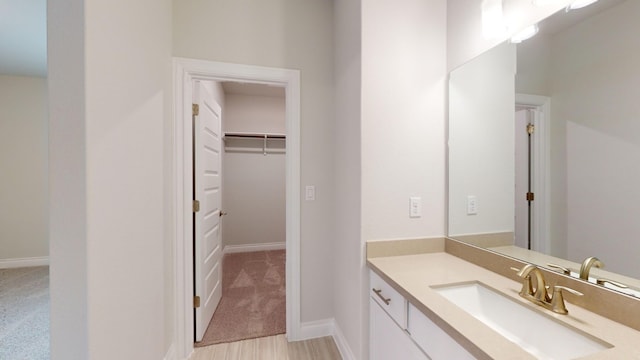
[576, 81]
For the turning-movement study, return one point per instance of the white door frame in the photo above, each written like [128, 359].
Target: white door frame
[540, 227]
[185, 71]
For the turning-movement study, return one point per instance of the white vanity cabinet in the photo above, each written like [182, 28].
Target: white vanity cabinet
[432, 339]
[387, 341]
[388, 338]
[398, 330]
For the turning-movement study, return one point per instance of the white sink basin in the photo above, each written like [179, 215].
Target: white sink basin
[537, 333]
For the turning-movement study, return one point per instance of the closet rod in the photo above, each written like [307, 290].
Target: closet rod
[255, 136]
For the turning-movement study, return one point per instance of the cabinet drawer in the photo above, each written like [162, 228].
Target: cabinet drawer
[390, 300]
[434, 341]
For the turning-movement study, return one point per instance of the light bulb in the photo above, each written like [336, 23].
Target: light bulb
[493, 24]
[542, 2]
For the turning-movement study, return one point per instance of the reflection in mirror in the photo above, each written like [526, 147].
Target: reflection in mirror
[544, 144]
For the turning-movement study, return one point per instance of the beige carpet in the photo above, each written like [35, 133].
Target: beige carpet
[253, 298]
[24, 313]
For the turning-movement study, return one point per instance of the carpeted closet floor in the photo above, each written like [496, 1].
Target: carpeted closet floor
[253, 298]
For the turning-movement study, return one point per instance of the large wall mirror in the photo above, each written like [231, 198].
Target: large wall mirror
[544, 145]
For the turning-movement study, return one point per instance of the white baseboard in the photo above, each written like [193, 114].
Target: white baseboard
[316, 329]
[327, 327]
[171, 353]
[24, 262]
[341, 343]
[254, 247]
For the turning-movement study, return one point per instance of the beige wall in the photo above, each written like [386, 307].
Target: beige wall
[254, 184]
[24, 217]
[110, 112]
[294, 34]
[255, 113]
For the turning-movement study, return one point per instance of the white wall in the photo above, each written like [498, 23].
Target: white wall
[349, 281]
[110, 96]
[24, 178]
[68, 275]
[403, 117]
[594, 108]
[481, 142]
[534, 66]
[294, 34]
[402, 127]
[254, 184]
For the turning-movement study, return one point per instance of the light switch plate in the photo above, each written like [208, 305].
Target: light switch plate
[415, 207]
[472, 205]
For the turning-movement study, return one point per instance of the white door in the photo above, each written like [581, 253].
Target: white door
[522, 179]
[207, 191]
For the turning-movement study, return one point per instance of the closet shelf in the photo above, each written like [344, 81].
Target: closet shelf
[243, 137]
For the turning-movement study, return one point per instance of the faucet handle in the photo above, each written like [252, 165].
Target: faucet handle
[527, 287]
[557, 300]
[602, 281]
[564, 270]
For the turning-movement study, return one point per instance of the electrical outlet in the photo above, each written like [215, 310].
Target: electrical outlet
[472, 205]
[310, 193]
[415, 207]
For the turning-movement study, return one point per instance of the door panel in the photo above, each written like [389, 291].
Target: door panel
[521, 179]
[207, 188]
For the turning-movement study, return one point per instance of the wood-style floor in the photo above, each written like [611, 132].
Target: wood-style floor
[270, 348]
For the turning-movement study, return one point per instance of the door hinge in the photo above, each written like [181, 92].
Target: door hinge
[196, 205]
[531, 129]
[196, 301]
[530, 196]
[195, 109]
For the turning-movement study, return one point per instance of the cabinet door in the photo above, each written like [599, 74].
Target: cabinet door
[386, 340]
[432, 339]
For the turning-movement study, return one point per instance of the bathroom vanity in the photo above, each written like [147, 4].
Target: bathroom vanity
[412, 318]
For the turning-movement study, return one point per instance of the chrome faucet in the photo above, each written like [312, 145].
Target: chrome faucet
[539, 295]
[587, 264]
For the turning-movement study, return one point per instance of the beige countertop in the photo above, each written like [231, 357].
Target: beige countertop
[413, 276]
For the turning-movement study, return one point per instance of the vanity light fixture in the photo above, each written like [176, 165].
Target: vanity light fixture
[543, 2]
[579, 4]
[526, 33]
[493, 23]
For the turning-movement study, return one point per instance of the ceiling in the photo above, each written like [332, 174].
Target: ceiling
[23, 37]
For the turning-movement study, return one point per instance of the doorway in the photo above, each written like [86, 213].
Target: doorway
[532, 117]
[240, 221]
[185, 72]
